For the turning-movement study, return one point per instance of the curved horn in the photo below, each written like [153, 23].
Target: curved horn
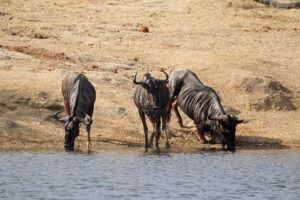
[167, 76]
[55, 115]
[63, 119]
[85, 122]
[219, 117]
[134, 80]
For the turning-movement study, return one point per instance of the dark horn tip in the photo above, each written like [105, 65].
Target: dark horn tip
[166, 74]
[55, 115]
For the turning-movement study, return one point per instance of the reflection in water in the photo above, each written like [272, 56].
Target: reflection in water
[156, 173]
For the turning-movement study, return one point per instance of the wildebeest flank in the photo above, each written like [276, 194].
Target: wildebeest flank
[180, 78]
[79, 96]
[151, 98]
[202, 104]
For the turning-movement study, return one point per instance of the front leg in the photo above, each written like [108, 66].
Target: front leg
[200, 135]
[142, 115]
[157, 131]
[212, 138]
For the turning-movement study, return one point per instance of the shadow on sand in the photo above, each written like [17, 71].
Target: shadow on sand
[259, 142]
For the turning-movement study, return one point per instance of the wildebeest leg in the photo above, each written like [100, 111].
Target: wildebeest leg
[175, 107]
[169, 107]
[88, 129]
[142, 115]
[151, 139]
[164, 128]
[212, 138]
[67, 107]
[200, 135]
[156, 131]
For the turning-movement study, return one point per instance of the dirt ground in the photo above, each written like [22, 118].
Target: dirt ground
[248, 52]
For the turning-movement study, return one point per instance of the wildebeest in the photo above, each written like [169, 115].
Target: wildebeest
[278, 4]
[202, 104]
[79, 97]
[151, 98]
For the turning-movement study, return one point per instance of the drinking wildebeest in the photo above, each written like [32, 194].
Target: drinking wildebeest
[202, 104]
[279, 4]
[151, 98]
[79, 97]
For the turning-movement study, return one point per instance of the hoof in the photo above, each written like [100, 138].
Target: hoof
[212, 141]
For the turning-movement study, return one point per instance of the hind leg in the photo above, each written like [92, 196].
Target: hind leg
[88, 129]
[164, 128]
[179, 118]
[169, 107]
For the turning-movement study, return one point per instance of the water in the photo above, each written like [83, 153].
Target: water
[135, 174]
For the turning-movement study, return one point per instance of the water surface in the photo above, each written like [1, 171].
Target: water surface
[165, 174]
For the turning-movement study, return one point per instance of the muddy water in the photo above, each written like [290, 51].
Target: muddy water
[165, 174]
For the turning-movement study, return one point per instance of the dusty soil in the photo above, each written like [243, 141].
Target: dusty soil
[247, 51]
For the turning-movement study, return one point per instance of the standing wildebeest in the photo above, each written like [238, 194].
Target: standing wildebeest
[79, 97]
[202, 104]
[151, 98]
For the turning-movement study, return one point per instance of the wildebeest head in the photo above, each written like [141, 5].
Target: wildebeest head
[152, 86]
[228, 123]
[72, 128]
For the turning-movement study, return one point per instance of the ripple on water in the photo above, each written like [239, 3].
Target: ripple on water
[135, 174]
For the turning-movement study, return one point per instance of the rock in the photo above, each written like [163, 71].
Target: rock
[35, 104]
[77, 67]
[43, 95]
[111, 79]
[86, 58]
[144, 29]
[95, 67]
[62, 72]
[114, 67]
[121, 110]
[110, 67]
[40, 36]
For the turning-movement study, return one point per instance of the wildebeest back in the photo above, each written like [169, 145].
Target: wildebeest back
[199, 102]
[80, 94]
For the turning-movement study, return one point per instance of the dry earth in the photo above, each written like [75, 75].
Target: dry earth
[247, 51]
